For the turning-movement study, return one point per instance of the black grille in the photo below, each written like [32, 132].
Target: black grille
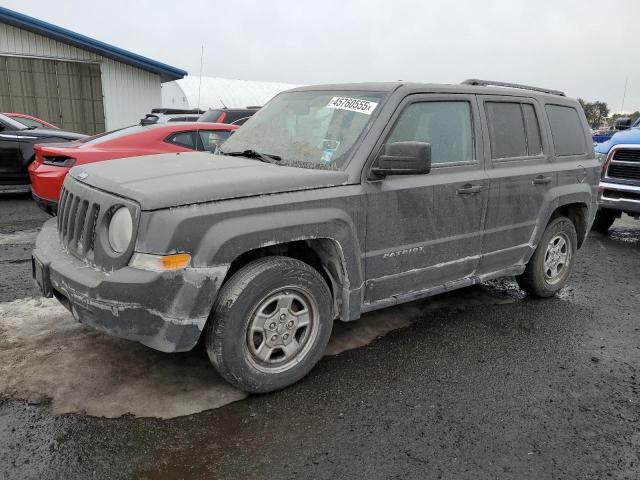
[624, 171]
[616, 195]
[627, 155]
[77, 223]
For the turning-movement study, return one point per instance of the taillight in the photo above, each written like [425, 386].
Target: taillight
[58, 161]
[221, 118]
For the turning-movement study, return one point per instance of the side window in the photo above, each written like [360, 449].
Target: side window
[534, 141]
[514, 130]
[184, 139]
[211, 139]
[566, 129]
[445, 125]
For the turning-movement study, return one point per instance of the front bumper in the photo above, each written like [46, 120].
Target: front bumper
[166, 311]
[619, 197]
[48, 206]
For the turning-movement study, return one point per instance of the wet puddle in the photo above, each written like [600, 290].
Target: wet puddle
[46, 355]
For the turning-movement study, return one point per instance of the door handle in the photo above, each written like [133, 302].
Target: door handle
[541, 180]
[469, 189]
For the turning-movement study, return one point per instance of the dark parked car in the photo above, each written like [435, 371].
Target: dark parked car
[331, 202]
[234, 116]
[16, 151]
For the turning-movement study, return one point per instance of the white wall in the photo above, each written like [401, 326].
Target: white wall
[129, 92]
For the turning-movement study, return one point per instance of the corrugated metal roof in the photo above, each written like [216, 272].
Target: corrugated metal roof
[166, 72]
[224, 92]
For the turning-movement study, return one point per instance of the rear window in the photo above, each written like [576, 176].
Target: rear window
[184, 119]
[514, 130]
[113, 134]
[566, 129]
[210, 116]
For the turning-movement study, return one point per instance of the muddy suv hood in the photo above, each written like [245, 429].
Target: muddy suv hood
[167, 180]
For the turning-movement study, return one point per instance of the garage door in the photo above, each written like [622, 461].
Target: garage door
[67, 94]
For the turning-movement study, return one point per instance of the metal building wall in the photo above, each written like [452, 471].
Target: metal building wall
[129, 92]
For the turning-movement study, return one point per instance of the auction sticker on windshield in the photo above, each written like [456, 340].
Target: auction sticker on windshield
[353, 105]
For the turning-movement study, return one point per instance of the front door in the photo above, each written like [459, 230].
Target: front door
[425, 231]
[12, 169]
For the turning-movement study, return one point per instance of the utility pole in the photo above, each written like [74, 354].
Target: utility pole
[624, 93]
[200, 82]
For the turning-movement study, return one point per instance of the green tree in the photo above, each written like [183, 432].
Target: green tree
[596, 112]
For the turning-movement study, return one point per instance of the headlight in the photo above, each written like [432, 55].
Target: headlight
[120, 230]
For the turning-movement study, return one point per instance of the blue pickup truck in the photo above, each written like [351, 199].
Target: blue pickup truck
[619, 190]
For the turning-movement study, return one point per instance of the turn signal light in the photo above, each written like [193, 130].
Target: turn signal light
[160, 263]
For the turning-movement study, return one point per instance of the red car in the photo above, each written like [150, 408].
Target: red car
[53, 161]
[30, 121]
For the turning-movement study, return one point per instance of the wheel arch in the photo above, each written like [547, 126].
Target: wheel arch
[576, 202]
[324, 254]
[578, 213]
[325, 238]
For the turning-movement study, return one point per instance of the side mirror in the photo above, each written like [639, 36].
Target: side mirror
[403, 158]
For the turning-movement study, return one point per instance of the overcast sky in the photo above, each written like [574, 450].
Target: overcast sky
[586, 48]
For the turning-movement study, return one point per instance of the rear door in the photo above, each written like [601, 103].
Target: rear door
[574, 155]
[521, 172]
[424, 232]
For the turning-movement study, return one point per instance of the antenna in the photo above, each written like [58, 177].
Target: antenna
[222, 103]
[624, 93]
[200, 80]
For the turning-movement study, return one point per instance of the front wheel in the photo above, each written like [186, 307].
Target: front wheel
[551, 264]
[603, 221]
[270, 325]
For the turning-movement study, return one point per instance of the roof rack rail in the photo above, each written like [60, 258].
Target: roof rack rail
[486, 83]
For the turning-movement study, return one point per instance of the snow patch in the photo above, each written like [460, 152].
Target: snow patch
[22, 237]
[46, 354]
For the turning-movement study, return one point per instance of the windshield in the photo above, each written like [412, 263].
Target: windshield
[11, 123]
[312, 129]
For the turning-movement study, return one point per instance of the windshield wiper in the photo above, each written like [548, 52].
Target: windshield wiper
[263, 157]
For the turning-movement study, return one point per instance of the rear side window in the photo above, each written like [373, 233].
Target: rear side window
[532, 126]
[211, 139]
[184, 139]
[514, 130]
[445, 125]
[566, 129]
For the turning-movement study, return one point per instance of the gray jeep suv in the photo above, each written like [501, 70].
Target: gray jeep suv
[331, 201]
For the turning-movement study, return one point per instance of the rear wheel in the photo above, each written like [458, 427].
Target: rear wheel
[551, 264]
[270, 325]
[603, 221]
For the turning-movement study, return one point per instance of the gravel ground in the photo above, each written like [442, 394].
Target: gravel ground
[521, 389]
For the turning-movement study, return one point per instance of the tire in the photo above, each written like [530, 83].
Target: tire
[603, 221]
[270, 297]
[538, 279]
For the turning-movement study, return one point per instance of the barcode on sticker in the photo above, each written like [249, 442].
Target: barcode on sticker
[353, 105]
